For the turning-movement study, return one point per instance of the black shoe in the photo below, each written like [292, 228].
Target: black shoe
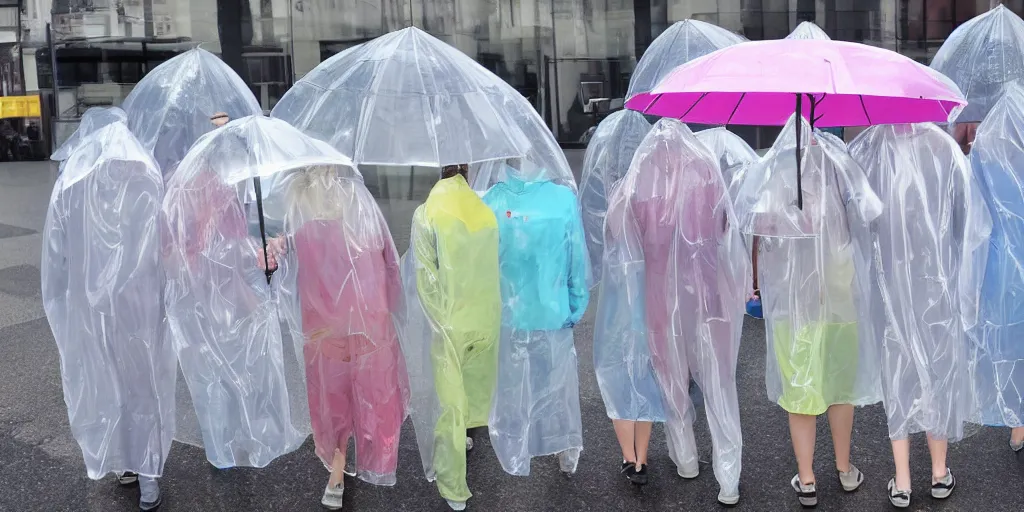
[639, 476]
[127, 478]
[628, 469]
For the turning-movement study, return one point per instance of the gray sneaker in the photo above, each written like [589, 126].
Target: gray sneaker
[469, 444]
[149, 491]
[898, 498]
[728, 499]
[806, 493]
[943, 487]
[333, 495]
[568, 460]
[851, 479]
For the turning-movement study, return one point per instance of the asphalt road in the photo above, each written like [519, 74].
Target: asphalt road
[41, 465]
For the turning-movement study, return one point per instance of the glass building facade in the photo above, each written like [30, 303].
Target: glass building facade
[557, 53]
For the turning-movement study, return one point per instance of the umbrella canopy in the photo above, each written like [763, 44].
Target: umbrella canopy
[171, 107]
[846, 84]
[682, 42]
[93, 119]
[982, 57]
[407, 98]
[809, 30]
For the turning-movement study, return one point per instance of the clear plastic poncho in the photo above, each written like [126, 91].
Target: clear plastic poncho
[102, 286]
[453, 311]
[998, 161]
[170, 108]
[930, 248]
[93, 119]
[342, 294]
[678, 44]
[808, 30]
[676, 273]
[813, 272]
[245, 386]
[733, 153]
[606, 162]
[544, 269]
[983, 56]
[407, 98]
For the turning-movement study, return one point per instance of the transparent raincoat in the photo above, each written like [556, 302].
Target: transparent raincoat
[93, 119]
[808, 30]
[733, 154]
[453, 307]
[545, 268]
[102, 286]
[998, 161]
[170, 108]
[452, 110]
[983, 56]
[681, 276]
[813, 272]
[678, 44]
[245, 387]
[930, 248]
[607, 159]
[341, 291]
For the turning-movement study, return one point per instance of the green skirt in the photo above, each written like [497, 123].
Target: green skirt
[818, 366]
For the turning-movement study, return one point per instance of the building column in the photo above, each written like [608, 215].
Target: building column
[229, 29]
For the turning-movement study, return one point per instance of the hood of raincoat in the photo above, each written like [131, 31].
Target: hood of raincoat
[170, 108]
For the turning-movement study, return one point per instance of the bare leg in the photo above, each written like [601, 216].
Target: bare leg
[937, 448]
[626, 434]
[338, 471]
[840, 422]
[643, 440]
[803, 430]
[1017, 435]
[901, 457]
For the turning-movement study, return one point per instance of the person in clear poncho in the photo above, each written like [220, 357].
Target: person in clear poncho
[102, 286]
[94, 119]
[813, 275]
[998, 160]
[341, 292]
[453, 311]
[244, 387]
[680, 276]
[732, 152]
[171, 107]
[930, 248]
[606, 161]
[543, 263]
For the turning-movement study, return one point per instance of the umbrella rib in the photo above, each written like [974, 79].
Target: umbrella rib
[734, 109]
[702, 95]
[865, 108]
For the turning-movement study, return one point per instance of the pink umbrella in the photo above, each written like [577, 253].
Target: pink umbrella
[764, 82]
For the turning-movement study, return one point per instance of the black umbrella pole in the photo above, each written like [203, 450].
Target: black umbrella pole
[263, 228]
[799, 129]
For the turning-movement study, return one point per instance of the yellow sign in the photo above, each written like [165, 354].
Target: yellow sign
[19, 106]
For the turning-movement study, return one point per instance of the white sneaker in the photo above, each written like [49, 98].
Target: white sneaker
[332, 496]
[457, 505]
[469, 446]
[689, 471]
[149, 494]
[728, 499]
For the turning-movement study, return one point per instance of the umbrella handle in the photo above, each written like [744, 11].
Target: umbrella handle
[263, 229]
[800, 121]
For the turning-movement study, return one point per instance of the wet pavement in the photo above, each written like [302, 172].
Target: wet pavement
[41, 465]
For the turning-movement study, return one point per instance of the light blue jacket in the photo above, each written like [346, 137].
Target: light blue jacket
[542, 254]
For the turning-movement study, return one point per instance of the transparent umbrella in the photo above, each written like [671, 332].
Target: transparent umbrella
[171, 107]
[982, 57]
[808, 30]
[405, 104]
